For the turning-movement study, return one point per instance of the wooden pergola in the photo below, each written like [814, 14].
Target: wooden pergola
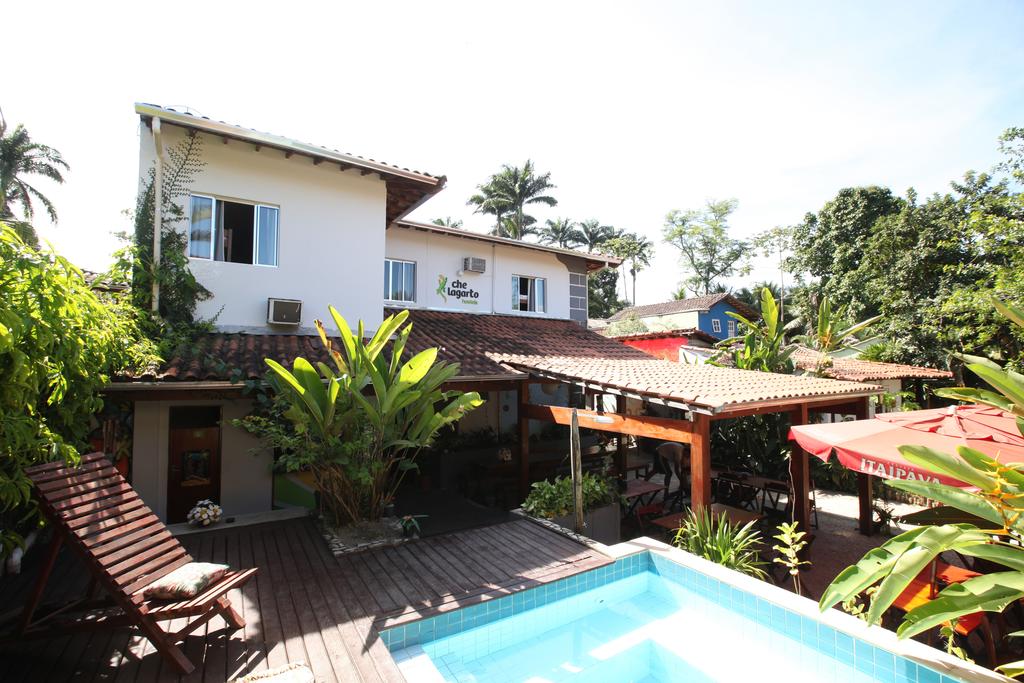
[798, 396]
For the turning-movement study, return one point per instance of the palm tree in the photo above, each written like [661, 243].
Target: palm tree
[508, 193]
[639, 257]
[448, 222]
[560, 232]
[593, 234]
[20, 157]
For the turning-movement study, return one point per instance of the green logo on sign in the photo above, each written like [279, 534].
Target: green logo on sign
[442, 282]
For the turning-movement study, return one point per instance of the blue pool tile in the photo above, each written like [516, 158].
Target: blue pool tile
[844, 642]
[884, 661]
[926, 675]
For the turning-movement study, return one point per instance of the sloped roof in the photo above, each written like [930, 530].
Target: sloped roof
[593, 261]
[512, 347]
[406, 188]
[689, 332]
[697, 303]
[857, 370]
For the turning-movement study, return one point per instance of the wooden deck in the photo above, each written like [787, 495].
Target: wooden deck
[305, 605]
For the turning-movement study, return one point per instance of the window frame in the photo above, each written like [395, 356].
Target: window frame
[255, 230]
[517, 296]
[716, 325]
[388, 290]
[731, 327]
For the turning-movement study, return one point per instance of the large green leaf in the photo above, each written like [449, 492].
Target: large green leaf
[299, 389]
[946, 464]
[941, 514]
[988, 593]
[972, 395]
[1011, 556]
[417, 366]
[951, 495]
[1010, 387]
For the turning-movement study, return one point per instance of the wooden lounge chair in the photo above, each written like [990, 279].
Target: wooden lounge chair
[125, 547]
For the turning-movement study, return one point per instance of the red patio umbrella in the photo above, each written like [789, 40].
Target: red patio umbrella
[871, 446]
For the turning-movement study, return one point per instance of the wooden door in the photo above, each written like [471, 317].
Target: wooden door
[193, 459]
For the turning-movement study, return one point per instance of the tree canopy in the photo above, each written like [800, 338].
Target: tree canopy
[508, 193]
[59, 345]
[20, 159]
[706, 250]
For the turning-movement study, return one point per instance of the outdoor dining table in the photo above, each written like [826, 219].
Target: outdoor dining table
[640, 493]
[753, 480]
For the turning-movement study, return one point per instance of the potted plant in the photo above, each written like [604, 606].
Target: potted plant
[553, 500]
[410, 525]
[204, 513]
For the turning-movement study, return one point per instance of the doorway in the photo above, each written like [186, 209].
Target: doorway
[193, 458]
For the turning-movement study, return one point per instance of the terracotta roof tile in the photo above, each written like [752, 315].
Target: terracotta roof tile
[858, 370]
[697, 303]
[503, 346]
[689, 332]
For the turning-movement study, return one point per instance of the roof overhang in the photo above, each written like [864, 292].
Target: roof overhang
[407, 189]
[593, 261]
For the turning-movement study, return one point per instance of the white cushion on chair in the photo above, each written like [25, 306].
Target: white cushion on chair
[186, 581]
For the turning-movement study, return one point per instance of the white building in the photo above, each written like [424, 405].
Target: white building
[277, 231]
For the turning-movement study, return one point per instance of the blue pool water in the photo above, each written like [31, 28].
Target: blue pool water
[643, 619]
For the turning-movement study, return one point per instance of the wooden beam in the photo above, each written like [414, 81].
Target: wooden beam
[224, 139]
[800, 476]
[258, 147]
[365, 171]
[523, 420]
[700, 462]
[664, 428]
[288, 154]
[317, 161]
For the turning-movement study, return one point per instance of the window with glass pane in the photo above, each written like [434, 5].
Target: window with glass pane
[399, 280]
[200, 239]
[527, 293]
[266, 235]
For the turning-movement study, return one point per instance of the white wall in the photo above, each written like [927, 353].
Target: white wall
[331, 234]
[437, 255]
[675, 321]
[246, 481]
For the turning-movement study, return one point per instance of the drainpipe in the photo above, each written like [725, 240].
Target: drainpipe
[158, 182]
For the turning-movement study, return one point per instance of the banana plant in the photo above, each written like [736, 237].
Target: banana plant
[366, 414]
[830, 334]
[763, 345]
[996, 501]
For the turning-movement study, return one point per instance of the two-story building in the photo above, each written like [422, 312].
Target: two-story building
[278, 230]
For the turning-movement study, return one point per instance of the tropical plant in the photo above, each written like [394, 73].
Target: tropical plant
[832, 333]
[998, 489]
[21, 158]
[593, 234]
[358, 426]
[628, 325]
[506, 195]
[603, 293]
[634, 249]
[791, 543]
[448, 222]
[175, 325]
[59, 346]
[550, 499]
[560, 232]
[716, 539]
[756, 442]
[758, 346]
[706, 250]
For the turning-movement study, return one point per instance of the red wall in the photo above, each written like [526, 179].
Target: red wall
[666, 348]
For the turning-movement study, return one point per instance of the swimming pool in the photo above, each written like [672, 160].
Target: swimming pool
[660, 616]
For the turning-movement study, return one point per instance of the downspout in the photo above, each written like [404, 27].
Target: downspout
[158, 192]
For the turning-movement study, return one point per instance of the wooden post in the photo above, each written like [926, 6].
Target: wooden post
[700, 462]
[864, 483]
[800, 476]
[622, 442]
[576, 462]
[522, 399]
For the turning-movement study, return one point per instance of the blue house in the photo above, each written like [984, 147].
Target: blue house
[705, 313]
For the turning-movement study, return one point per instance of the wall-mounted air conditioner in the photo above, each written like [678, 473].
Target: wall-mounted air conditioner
[472, 264]
[284, 312]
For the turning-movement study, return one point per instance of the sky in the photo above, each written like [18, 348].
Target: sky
[634, 108]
